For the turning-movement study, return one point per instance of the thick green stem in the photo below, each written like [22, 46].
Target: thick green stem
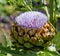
[55, 13]
[51, 10]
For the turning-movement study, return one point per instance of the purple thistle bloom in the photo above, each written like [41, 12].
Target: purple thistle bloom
[32, 19]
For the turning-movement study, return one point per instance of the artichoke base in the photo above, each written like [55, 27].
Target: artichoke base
[31, 38]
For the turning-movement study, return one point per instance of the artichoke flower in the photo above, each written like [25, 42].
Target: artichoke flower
[31, 29]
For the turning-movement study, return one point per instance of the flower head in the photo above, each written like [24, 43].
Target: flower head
[32, 19]
[32, 30]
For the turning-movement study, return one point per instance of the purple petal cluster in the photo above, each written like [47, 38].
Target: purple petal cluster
[31, 19]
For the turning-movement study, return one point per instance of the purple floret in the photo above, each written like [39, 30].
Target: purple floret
[31, 19]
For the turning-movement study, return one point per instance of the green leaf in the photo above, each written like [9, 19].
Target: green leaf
[6, 40]
[5, 50]
[2, 55]
[18, 4]
[3, 1]
[56, 40]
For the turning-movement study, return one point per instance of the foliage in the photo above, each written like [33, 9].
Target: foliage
[21, 5]
[52, 8]
[56, 40]
[22, 52]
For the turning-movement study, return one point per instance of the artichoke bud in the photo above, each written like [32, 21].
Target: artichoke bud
[32, 29]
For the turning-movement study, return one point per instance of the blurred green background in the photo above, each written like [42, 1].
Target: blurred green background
[9, 9]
